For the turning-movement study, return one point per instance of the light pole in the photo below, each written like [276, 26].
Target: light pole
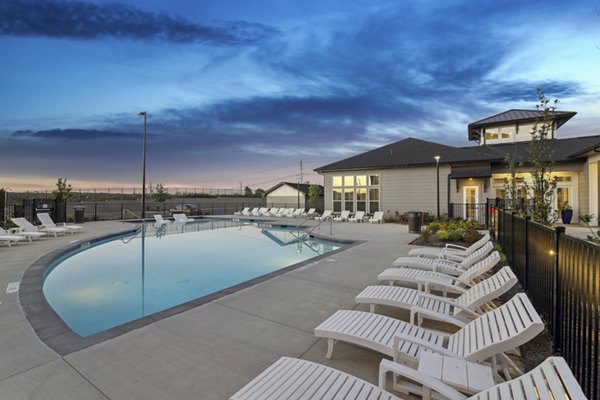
[144, 169]
[437, 172]
[6, 208]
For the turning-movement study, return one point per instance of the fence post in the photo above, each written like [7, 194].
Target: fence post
[212, 209]
[512, 238]
[451, 210]
[560, 230]
[96, 211]
[526, 266]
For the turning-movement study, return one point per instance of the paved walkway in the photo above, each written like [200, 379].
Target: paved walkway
[208, 352]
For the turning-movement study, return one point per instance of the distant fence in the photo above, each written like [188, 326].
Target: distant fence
[113, 210]
[469, 212]
[561, 275]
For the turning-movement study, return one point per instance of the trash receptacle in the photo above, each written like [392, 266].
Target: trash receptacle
[414, 221]
[79, 215]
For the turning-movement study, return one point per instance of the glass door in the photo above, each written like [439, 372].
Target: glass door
[471, 200]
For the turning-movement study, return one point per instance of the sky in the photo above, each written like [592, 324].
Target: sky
[241, 91]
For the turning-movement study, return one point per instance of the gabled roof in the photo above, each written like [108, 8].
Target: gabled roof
[416, 152]
[565, 150]
[302, 187]
[516, 116]
[404, 153]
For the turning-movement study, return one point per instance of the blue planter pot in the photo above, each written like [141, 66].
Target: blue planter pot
[566, 216]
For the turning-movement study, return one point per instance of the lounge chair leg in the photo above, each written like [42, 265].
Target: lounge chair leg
[330, 343]
[372, 308]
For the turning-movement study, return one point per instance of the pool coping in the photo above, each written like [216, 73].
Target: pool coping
[53, 332]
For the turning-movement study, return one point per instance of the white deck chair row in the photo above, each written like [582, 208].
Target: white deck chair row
[486, 338]
[450, 251]
[446, 266]
[294, 379]
[457, 311]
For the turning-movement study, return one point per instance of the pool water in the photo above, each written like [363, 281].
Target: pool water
[129, 277]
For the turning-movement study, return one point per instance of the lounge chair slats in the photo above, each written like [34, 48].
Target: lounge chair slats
[449, 250]
[489, 334]
[293, 379]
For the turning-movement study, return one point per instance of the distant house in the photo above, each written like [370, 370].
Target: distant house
[401, 176]
[289, 194]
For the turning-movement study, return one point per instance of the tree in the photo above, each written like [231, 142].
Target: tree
[160, 194]
[63, 190]
[541, 154]
[259, 192]
[247, 192]
[314, 191]
[512, 184]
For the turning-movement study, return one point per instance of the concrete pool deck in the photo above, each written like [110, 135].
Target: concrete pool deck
[208, 352]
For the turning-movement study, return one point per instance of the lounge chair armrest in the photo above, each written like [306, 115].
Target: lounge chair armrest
[424, 312]
[427, 381]
[450, 246]
[15, 230]
[422, 343]
[441, 283]
[421, 296]
[443, 261]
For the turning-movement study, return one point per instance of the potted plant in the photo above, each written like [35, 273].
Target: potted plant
[566, 212]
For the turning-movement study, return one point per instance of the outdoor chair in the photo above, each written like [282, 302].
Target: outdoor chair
[343, 216]
[326, 215]
[442, 265]
[358, 217]
[22, 233]
[181, 218]
[8, 239]
[485, 338]
[450, 251]
[27, 226]
[428, 280]
[47, 223]
[377, 218]
[293, 379]
[457, 311]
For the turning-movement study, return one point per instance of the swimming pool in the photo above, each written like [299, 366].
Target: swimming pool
[126, 278]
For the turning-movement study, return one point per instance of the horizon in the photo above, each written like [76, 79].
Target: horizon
[237, 92]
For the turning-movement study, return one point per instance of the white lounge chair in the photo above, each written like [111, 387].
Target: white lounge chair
[551, 380]
[377, 218]
[27, 226]
[450, 251]
[426, 280]
[486, 337]
[284, 212]
[160, 220]
[273, 212]
[309, 213]
[8, 239]
[243, 212]
[457, 311]
[344, 215]
[293, 379]
[358, 217]
[47, 223]
[181, 218]
[326, 215]
[20, 232]
[249, 212]
[445, 266]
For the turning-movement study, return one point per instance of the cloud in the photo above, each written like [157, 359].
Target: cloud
[88, 21]
[74, 134]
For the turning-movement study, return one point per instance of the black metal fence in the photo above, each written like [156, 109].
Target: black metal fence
[469, 212]
[561, 275]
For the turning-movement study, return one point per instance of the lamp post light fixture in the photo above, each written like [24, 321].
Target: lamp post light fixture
[437, 172]
[143, 113]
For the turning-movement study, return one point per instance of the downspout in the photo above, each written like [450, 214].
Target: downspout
[448, 193]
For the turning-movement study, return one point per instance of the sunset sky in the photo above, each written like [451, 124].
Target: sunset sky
[241, 91]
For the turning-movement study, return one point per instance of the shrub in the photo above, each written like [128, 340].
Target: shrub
[471, 236]
[434, 227]
[426, 233]
[443, 235]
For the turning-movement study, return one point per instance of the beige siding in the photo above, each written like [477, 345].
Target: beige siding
[328, 195]
[413, 189]
[285, 196]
